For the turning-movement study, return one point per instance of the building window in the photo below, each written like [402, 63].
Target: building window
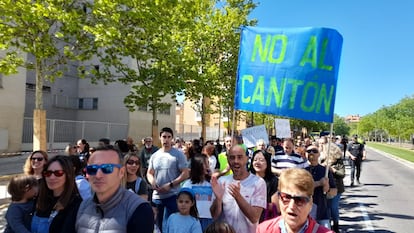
[143, 108]
[32, 86]
[165, 111]
[88, 103]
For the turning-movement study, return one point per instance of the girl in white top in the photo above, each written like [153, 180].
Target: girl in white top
[200, 185]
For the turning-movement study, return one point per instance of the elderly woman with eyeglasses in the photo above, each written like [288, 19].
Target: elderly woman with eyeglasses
[295, 193]
[35, 163]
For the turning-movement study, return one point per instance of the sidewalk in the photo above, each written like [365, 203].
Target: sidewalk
[4, 203]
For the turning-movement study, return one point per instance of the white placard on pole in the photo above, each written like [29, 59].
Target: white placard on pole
[282, 127]
[252, 134]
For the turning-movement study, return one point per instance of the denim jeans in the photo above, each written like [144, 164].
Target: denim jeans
[205, 222]
[355, 164]
[333, 205]
[165, 207]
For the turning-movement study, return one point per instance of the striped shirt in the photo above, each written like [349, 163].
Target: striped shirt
[283, 161]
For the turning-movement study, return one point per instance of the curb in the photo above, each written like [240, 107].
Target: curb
[5, 178]
[407, 163]
[7, 155]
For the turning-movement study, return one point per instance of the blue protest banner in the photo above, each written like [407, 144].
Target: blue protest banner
[289, 72]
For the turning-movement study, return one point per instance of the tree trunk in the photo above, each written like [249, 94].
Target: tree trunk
[205, 117]
[39, 115]
[154, 127]
[39, 130]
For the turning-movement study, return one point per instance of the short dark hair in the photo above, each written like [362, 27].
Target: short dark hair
[105, 141]
[167, 130]
[111, 148]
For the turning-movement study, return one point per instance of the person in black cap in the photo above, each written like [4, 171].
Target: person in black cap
[356, 152]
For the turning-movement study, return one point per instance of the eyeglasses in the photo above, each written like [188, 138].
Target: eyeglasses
[37, 158]
[299, 200]
[57, 173]
[132, 162]
[107, 168]
[313, 151]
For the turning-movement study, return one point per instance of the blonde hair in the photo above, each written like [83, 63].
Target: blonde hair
[271, 150]
[27, 167]
[299, 178]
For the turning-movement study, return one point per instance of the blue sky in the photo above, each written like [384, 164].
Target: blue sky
[377, 62]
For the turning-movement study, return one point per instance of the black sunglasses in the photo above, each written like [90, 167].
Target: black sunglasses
[313, 151]
[57, 173]
[299, 200]
[38, 159]
[132, 162]
[106, 168]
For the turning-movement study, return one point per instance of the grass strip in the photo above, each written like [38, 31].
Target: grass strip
[403, 153]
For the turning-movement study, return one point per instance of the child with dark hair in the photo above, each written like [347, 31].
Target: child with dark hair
[186, 220]
[22, 190]
[220, 227]
[200, 185]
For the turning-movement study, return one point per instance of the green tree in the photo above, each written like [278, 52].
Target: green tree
[43, 36]
[212, 56]
[151, 34]
[340, 126]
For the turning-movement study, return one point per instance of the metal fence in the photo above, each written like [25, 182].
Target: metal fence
[61, 132]
[190, 132]
[64, 131]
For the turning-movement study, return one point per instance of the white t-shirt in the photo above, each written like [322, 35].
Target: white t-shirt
[253, 189]
[212, 162]
[203, 195]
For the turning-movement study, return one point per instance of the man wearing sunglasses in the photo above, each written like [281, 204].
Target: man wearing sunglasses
[324, 186]
[112, 208]
[357, 153]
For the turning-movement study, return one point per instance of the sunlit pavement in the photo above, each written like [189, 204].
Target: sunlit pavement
[4, 203]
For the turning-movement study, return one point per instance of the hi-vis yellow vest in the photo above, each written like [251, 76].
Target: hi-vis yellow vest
[222, 158]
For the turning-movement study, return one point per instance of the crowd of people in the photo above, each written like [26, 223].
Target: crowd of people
[185, 187]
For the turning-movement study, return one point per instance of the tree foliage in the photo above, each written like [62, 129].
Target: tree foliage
[395, 121]
[44, 36]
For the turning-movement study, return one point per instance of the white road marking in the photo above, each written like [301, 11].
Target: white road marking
[367, 220]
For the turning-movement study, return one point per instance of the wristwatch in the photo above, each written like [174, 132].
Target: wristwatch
[171, 184]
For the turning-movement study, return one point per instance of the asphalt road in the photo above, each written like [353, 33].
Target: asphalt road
[383, 203]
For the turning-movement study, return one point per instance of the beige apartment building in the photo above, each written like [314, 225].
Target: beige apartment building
[75, 108]
[12, 99]
[189, 123]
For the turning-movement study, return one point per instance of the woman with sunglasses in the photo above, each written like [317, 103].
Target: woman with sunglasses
[35, 163]
[295, 193]
[58, 200]
[134, 181]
